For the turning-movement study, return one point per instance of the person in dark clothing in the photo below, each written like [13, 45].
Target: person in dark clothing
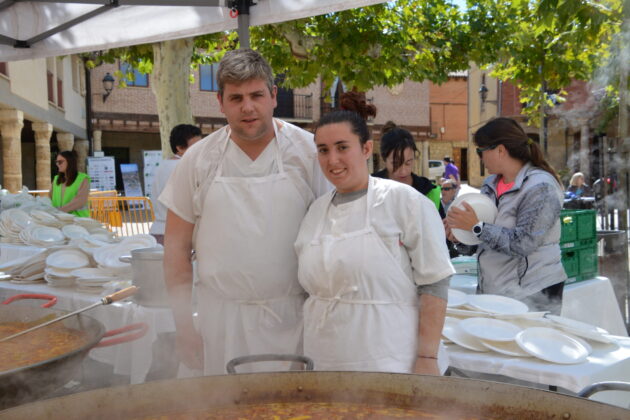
[398, 151]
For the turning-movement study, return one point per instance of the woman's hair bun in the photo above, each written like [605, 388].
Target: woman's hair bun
[355, 101]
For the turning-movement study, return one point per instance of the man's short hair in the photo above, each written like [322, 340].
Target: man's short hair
[180, 134]
[238, 66]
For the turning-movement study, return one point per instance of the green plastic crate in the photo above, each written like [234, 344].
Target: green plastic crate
[577, 228]
[587, 258]
[570, 263]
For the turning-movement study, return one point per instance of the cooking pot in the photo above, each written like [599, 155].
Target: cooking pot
[26, 383]
[148, 275]
[451, 397]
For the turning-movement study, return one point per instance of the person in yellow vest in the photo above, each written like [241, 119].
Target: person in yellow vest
[70, 188]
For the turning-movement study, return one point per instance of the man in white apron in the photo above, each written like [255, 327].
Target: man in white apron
[237, 199]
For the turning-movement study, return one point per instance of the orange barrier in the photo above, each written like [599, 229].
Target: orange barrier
[125, 216]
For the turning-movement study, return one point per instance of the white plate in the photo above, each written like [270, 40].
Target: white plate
[68, 259]
[58, 272]
[74, 231]
[484, 208]
[138, 241]
[508, 348]
[497, 304]
[47, 234]
[590, 335]
[551, 345]
[490, 329]
[575, 325]
[60, 281]
[454, 333]
[456, 298]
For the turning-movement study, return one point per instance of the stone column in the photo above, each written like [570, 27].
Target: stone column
[65, 141]
[81, 147]
[43, 132]
[97, 135]
[425, 158]
[11, 123]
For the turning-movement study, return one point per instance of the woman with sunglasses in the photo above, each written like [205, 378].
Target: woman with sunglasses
[372, 256]
[398, 150]
[70, 188]
[519, 254]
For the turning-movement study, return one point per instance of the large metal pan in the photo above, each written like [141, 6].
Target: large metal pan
[27, 383]
[451, 397]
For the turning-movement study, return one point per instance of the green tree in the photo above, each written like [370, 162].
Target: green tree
[384, 44]
[542, 45]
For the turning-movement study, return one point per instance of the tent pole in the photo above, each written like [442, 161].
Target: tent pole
[243, 21]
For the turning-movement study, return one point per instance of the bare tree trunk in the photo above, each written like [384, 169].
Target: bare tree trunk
[171, 86]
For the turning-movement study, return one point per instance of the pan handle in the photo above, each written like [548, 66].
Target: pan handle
[52, 300]
[604, 386]
[142, 328]
[231, 365]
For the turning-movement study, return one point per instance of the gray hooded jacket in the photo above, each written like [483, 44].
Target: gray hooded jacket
[520, 252]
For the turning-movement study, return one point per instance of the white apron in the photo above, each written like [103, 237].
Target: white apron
[249, 299]
[362, 309]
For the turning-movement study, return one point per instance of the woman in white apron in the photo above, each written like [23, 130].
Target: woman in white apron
[363, 251]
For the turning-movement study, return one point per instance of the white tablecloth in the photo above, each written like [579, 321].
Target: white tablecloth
[608, 362]
[134, 358]
[592, 301]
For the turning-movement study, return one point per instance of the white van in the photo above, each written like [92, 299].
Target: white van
[436, 169]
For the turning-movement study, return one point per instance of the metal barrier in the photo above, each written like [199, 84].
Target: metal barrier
[125, 216]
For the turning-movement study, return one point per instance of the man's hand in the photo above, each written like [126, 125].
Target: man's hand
[190, 349]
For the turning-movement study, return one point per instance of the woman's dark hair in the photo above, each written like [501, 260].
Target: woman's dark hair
[511, 135]
[70, 174]
[180, 134]
[396, 140]
[357, 123]
[355, 101]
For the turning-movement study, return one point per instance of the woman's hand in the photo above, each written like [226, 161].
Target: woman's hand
[426, 366]
[462, 219]
[449, 232]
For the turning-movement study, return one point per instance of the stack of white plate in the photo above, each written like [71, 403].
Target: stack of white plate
[92, 242]
[44, 218]
[12, 222]
[28, 269]
[92, 280]
[108, 257]
[74, 231]
[60, 264]
[42, 236]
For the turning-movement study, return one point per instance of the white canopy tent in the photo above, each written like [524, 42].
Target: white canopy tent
[34, 29]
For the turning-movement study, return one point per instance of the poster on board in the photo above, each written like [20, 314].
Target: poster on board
[102, 172]
[152, 161]
[131, 182]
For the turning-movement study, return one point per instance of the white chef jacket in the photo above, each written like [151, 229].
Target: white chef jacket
[400, 216]
[299, 156]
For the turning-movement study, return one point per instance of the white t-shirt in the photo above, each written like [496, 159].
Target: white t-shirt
[407, 222]
[159, 182]
[184, 191]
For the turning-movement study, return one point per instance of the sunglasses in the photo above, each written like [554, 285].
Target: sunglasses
[480, 150]
[59, 162]
[447, 188]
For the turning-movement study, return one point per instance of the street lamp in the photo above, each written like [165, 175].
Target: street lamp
[108, 85]
[483, 92]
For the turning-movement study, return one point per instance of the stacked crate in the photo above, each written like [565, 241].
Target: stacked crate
[578, 243]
